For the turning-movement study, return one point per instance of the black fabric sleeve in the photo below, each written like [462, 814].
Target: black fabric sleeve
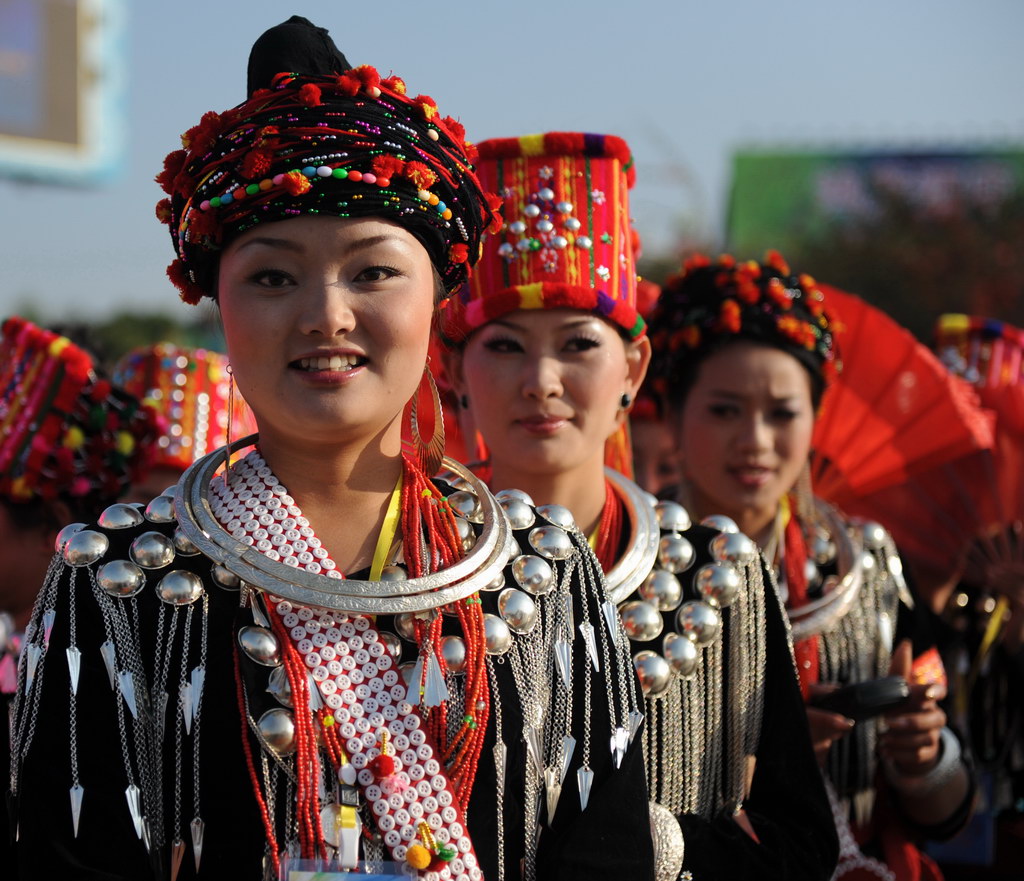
[787, 806]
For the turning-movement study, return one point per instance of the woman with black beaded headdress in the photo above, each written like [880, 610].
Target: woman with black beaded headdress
[236, 707]
[743, 354]
[547, 350]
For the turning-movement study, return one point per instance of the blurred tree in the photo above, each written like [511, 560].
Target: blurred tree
[916, 261]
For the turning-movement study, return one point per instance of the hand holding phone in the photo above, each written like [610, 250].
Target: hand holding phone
[865, 700]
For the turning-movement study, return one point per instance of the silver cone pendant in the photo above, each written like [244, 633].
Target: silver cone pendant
[74, 666]
[126, 683]
[76, 805]
[135, 806]
[563, 653]
[587, 631]
[48, 618]
[552, 791]
[198, 827]
[110, 661]
[535, 748]
[198, 680]
[585, 780]
[619, 742]
[177, 855]
[568, 748]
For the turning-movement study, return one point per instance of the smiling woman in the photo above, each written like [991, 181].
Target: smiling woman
[743, 353]
[457, 702]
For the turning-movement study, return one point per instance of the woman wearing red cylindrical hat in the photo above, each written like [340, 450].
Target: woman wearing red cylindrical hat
[548, 351]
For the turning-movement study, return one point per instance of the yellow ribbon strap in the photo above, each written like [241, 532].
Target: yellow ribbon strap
[388, 531]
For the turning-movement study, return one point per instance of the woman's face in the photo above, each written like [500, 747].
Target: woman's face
[655, 460]
[545, 386]
[744, 432]
[327, 322]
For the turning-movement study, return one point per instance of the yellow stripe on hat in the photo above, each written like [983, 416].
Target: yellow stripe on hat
[952, 321]
[531, 296]
[532, 145]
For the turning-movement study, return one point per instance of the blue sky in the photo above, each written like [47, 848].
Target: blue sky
[685, 83]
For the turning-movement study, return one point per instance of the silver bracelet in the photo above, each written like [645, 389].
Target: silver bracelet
[936, 778]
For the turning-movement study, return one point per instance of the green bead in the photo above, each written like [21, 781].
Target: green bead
[534, 244]
[340, 173]
[446, 853]
[252, 189]
[215, 202]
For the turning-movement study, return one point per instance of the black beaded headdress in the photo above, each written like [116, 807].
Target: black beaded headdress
[713, 302]
[347, 145]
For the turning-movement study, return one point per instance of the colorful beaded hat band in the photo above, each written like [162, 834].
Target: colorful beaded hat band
[353, 145]
[711, 301]
[984, 351]
[64, 431]
[565, 241]
[190, 388]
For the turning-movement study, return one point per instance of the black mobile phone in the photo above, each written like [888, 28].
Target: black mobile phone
[865, 700]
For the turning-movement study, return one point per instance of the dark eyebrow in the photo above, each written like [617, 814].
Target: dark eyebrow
[739, 396]
[569, 325]
[299, 247]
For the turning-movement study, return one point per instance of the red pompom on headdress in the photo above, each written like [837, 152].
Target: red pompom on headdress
[310, 95]
[188, 292]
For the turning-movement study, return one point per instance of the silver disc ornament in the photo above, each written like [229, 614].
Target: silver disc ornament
[675, 553]
[517, 610]
[520, 514]
[653, 672]
[224, 578]
[277, 728]
[85, 547]
[497, 636]
[732, 547]
[467, 505]
[64, 536]
[160, 510]
[699, 622]
[120, 516]
[533, 574]
[662, 590]
[641, 621]
[681, 653]
[672, 517]
[260, 645]
[179, 587]
[152, 550]
[559, 515]
[551, 542]
[718, 583]
[453, 650]
[120, 578]
[720, 522]
[503, 494]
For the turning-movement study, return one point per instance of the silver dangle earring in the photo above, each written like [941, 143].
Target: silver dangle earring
[428, 453]
[231, 411]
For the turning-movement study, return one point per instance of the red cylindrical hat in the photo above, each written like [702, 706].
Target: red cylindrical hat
[566, 241]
